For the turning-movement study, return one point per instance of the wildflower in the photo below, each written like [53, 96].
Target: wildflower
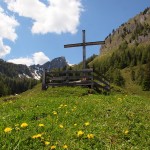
[54, 112]
[36, 136]
[80, 133]
[65, 105]
[8, 129]
[17, 129]
[53, 147]
[47, 143]
[75, 124]
[87, 124]
[90, 136]
[126, 132]
[41, 125]
[65, 147]
[61, 126]
[24, 125]
[119, 99]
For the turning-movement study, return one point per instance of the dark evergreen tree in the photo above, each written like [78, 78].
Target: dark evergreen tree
[118, 78]
[146, 79]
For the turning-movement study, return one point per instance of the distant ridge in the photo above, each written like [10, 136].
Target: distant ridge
[56, 63]
[135, 31]
[125, 57]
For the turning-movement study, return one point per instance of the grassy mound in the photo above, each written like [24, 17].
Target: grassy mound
[70, 118]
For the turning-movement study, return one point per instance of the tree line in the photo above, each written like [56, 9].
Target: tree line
[10, 82]
[123, 57]
[10, 86]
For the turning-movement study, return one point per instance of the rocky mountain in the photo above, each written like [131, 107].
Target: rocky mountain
[15, 78]
[13, 70]
[125, 57]
[135, 31]
[35, 71]
[59, 62]
[56, 63]
[19, 78]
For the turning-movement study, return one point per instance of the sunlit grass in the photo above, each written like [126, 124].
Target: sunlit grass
[71, 118]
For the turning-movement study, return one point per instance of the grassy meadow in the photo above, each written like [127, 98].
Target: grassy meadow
[72, 118]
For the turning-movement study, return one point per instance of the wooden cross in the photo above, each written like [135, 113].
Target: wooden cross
[84, 44]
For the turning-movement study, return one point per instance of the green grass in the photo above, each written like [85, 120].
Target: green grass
[131, 86]
[116, 121]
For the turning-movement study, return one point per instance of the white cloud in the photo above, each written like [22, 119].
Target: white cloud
[37, 58]
[25, 61]
[7, 31]
[58, 16]
[40, 58]
[4, 49]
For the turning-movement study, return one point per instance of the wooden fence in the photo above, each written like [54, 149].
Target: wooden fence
[86, 77]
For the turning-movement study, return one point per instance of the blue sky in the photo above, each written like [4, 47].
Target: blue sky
[35, 31]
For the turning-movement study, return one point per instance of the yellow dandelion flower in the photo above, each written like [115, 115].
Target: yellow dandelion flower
[17, 128]
[87, 124]
[119, 99]
[90, 136]
[47, 143]
[41, 125]
[75, 124]
[61, 105]
[8, 129]
[126, 132]
[36, 136]
[80, 133]
[54, 112]
[24, 125]
[65, 147]
[61, 126]
[67, 112]
[53, 147]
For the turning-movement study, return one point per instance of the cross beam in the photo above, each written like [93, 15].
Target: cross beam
[84, 44]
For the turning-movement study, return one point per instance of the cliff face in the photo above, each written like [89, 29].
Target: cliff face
[135, 31]
[58, 62]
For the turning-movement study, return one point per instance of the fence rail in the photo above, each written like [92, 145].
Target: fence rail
[85, 77]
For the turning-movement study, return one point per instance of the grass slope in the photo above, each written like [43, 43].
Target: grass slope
[70, 118]
[131, 86]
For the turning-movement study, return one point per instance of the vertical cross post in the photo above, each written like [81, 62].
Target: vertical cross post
[84, 50]
[84, 44]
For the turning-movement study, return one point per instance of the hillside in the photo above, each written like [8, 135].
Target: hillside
[56, 63]
[14, 78]
[127, 47]
[13, 70]
[17, 78]
[70, 118]
[133, 32]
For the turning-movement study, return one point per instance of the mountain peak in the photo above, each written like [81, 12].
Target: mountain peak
[134, 31]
